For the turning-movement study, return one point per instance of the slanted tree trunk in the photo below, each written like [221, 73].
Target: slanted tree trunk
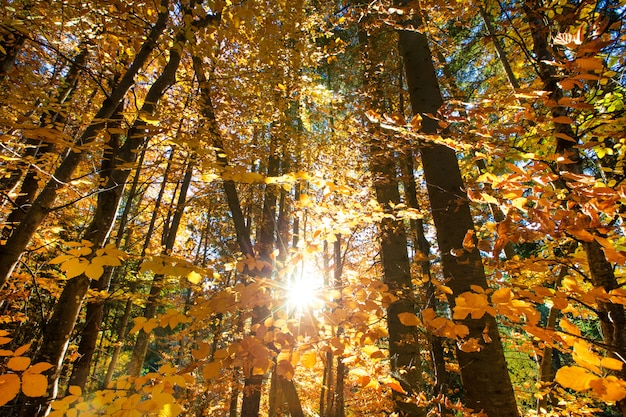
[15, 245]
[485, 377]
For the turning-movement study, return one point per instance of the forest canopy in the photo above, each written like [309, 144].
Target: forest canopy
[312, 208]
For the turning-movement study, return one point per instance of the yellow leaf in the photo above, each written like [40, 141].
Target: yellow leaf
[170, 410]
[194, 277]
[409, 319]
[9, 387]
[75, 390]
[74, 267]
[34, 385]
[308, 359]
[18, 363]
[60, 259]
[574, 377]
[139, 322]
[584, 356]
[94, 271]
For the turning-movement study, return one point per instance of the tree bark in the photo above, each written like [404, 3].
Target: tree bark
[485, 377]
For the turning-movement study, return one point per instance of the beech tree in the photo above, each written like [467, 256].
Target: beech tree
[313, 208]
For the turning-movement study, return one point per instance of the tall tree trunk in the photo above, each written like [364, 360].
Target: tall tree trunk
[143, 338]
[15, 245]
[485, 377]
[497, 43]
[404, 344]
[58, 330]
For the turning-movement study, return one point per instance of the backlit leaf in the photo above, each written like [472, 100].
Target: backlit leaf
[308, 359]
[574, 377]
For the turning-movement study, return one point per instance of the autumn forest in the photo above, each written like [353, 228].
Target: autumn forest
[312, 208]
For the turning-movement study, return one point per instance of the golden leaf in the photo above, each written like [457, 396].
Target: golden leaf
[468, 241]
[34, 385]
[38, 368]
[18, 363]
[308, 359]
[170, 410]
[211, 370]
[609, 389]
[612, 363]
[202, 351]
[574, 377]
[501, 296]
[194, 277]
[21, 350]
[94, 271]
[409, 319]
[393, 384]
[9, 387]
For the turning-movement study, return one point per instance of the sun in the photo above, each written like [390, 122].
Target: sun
[304, 294]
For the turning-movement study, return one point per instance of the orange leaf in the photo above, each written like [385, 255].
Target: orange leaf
[211, 370]
[609, 389]
[563, 120]
[38, 368]
[393, 384]
[34, 385]
[468, 240]
[9, 387]
[18, 363]
[409, 319]
[574, 377]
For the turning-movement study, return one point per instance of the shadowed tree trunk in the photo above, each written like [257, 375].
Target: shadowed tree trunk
[404, 345]
[484, 374]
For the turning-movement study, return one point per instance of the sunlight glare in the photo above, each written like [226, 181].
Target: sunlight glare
[304, 293]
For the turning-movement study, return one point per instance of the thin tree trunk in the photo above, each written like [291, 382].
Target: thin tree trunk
[143, 338]
[484, 374]
[15, 245]
[497, 43]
